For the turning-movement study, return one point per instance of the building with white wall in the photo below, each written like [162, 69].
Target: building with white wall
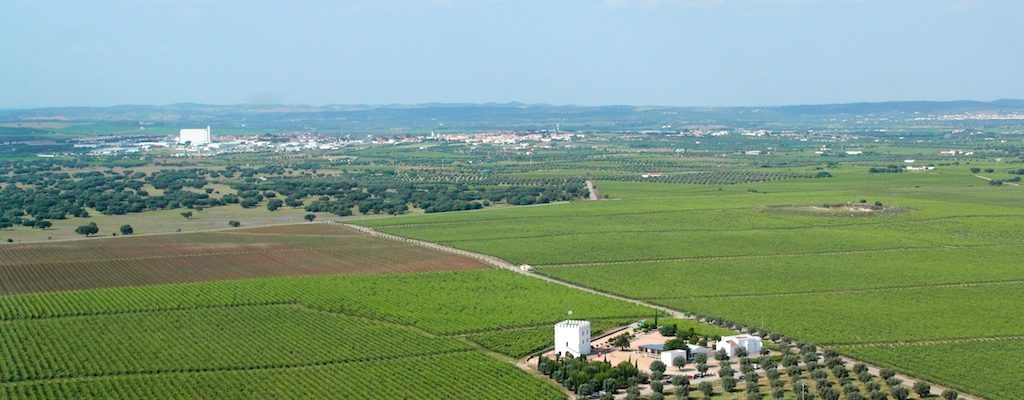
[693, 350]
[733, 343]
[669, 356]
[194, 136]
[572, 337]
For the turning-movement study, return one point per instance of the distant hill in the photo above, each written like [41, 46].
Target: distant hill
[400, 119]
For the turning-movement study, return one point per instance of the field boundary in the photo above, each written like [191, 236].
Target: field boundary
[499, 263]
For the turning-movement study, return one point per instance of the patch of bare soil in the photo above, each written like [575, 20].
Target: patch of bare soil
[837, 209]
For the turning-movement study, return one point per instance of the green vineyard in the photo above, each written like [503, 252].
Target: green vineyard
[466, 376]
[357, 336]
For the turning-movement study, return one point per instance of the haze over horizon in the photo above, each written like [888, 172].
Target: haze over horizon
[650, 52]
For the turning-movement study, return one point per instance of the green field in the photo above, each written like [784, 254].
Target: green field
[379, 336]
[945, 265]
[978, 367]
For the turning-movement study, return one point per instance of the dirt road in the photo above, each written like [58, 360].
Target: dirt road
[593, 190]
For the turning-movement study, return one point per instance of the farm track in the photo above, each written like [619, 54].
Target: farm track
[499, 263]
[848, 290]
[990, 179]
[762, 256]
[591, 190]
[288, 234]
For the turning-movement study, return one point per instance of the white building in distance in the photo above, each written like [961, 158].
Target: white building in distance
[733, 343]
[572, 337]
[196, 137]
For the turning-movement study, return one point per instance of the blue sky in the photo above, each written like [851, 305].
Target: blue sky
[640, 52]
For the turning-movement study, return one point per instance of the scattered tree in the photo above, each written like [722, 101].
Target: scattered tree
[899, 392]
[668, 330]
[729, 383]
[86, 230]
[584, 391]
[657, 386]
[187, 214]
[274, 204]
[309, 217]
[658, 366]
[680, 380]
[679, 362]
[234, 224]
[622, 341]
[950, 394]
[922, 388]
[706, 388]
[127, 229]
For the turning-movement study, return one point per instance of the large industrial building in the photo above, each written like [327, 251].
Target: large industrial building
[572, 337]
[196, 137]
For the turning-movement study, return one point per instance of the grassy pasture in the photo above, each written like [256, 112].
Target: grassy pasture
[161, 221]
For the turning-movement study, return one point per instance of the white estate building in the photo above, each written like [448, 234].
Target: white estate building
[669, 356]
[195, 136]
[572, 337]
[733, 343]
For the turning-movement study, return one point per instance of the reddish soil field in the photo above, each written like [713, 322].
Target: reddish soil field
[308, 249]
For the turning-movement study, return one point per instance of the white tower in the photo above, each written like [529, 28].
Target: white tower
[572, 337]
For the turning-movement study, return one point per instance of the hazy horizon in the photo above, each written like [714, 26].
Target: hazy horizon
[497, 103]
[700, 53]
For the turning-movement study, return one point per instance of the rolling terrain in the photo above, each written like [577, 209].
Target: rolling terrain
[358, 315]
[945, 268]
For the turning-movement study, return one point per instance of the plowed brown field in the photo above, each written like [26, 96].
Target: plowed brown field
[307, 249]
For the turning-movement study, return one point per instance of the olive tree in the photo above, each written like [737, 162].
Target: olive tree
[922, 388]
